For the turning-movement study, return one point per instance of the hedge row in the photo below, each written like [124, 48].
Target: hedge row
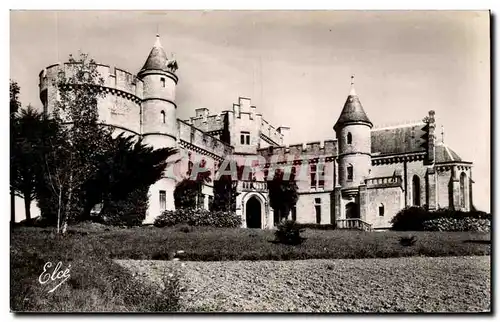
[198, 217]
[413, 218]
[454, 224]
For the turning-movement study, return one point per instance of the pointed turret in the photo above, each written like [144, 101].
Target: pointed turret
[353, 110]
[157, 58]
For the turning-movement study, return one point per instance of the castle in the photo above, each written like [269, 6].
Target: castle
[360, 180]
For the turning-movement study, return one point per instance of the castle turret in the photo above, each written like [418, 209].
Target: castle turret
[159, 120]
[354, 139]
[158, 105]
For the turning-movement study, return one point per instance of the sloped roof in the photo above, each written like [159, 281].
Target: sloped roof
[352, 111]
[157, 58]
[445, 154]
[408, 138]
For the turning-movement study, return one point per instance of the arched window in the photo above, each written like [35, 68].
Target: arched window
[349, 138]
[350, 171]
[381, 210]
[463, 178]
[163, 116]
[416, 190]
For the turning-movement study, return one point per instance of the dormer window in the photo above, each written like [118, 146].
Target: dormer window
[349, 138]
[162, 81]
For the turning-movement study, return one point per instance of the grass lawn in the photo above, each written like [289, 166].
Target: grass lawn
[99, 284]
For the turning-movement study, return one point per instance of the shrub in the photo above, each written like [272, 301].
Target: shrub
[131, 211]
[419, 219]
[458, 224]
[198, 217]
[411, 218]
[407, 241]
[288, 233]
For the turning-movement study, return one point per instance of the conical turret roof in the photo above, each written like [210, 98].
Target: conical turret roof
[157, 58]
[352, 112]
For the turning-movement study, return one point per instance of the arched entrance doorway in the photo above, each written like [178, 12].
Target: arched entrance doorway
[253, 213]
[351, 210]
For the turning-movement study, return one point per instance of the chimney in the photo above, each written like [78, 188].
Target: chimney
[285, 132]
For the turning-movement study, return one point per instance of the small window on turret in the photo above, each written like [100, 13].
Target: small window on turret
[162, 80]
[349, 172]
[349, 138]
[163, 116]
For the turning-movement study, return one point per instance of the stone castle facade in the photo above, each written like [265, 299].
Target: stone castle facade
[360, 179]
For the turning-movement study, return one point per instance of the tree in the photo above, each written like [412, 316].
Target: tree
[225, 194]
[14, 106]
[188, 192]
[29, 133]
[75, 153]
[282, 194]
[126, 171]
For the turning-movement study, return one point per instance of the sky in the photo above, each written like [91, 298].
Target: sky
[294, 65]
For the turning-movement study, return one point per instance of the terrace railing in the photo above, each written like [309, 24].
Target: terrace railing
[353, 223]
[252, 186]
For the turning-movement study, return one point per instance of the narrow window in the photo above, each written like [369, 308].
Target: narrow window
[463, 177]
[294, 213]
[210, 202]
[349, 172]
[416, 190]
[317, 208]
[321, 179]
[162, 80]
[163, 200]
[163, 116]
[313, 176]
[248, 139]
[349, 138]
[242, 139]
[381, 210]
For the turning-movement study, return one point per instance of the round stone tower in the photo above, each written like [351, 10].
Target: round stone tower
[354, 140]
[159, 118]
[159, 121]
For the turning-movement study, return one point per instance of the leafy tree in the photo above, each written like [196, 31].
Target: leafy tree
[29, 133]
[126, 171]
[75, 153]
[15, 104]
[225, 194]
[188, 192]
[282, 194]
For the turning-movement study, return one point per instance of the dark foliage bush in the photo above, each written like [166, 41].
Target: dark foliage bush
[198, 217]
[288, 233]
[129, 212]
[411, 218]
[407, 241]
[455, 224]
[415, 218]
